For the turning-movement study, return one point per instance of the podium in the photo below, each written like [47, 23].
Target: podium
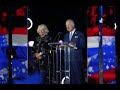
[61, 61]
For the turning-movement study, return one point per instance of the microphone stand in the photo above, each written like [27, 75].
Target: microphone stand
[58, 35]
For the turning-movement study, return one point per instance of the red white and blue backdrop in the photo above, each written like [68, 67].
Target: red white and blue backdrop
[19, 44]
[108, 45]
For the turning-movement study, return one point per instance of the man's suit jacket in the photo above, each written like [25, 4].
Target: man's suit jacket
[76, 55]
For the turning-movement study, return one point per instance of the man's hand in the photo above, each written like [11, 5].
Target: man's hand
[72, 44]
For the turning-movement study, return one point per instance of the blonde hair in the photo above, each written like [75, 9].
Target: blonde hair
[42, 27]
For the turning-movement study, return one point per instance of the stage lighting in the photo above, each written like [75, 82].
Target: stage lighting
[31, 43]
[29, 23]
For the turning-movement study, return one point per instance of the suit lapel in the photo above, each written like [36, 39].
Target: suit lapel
[68, 37]
[74, 34]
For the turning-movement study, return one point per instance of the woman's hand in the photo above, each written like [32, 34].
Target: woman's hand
[38, 55]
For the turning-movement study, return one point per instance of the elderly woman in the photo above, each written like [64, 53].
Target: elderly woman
[41, 51]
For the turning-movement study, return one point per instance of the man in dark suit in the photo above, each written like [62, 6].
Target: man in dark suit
[76, 63]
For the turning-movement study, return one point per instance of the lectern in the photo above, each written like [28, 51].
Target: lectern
[62, 59]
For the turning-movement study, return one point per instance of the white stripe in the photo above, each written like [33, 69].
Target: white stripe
[93, 42]
[19, 40]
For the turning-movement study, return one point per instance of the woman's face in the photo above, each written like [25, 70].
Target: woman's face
[42, 32]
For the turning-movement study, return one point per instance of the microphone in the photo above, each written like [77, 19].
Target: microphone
[58, 35]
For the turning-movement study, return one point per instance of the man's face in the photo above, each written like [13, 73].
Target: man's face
[69, 25]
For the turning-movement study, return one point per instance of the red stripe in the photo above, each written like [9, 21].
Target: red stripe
[22, 30]
[3, 31]
[108, 76]
[105, 30]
